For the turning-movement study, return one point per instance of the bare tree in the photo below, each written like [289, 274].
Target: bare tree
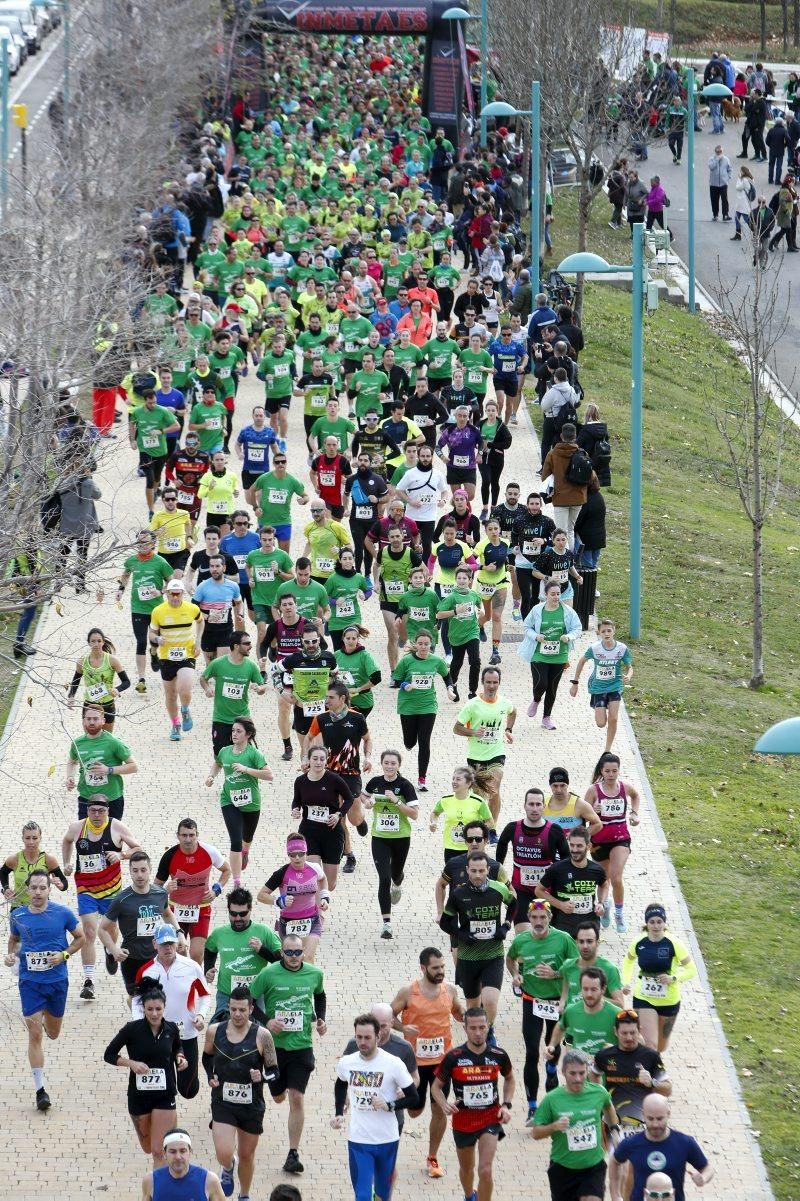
[752, 420]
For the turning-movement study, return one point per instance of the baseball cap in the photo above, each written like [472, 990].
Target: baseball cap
[164, 934]
[175, 586]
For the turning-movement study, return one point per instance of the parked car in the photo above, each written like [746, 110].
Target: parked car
[564, 166]
[31, 28]
[12, 50]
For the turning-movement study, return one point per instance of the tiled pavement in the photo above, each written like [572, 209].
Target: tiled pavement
[85, 1146]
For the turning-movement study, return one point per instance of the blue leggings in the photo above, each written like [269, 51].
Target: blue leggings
[372, 1168]
[25, 622]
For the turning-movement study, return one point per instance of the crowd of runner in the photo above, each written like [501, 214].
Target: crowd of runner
[330, 273]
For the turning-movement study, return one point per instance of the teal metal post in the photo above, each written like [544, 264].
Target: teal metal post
[637, 376]
[536, 180]
[690, 105]
[484, 65]
[67, 51]
[4, 129]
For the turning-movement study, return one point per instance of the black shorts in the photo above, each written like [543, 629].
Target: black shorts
[427, 1075]
[221, 735]
[110, 710]
[603, 699]
[506, 383]
[216, 636]
[322, 841]
[468, 1138]
[115, 809]
[525, 898]
[178, 559]
[665, 1011]
[474, 974]
[461, 475]
[129, 969]
[142, 1104]
[337, 511]
[602, 850]
[152, 466]
[247, 596]
[350, 365]
[217, 520]
[301, 724]
[436, 383]
[388, 606]
[170, 668]
[249, 1118]
[477, 764]
[570, 1184]
[294, 1070]
[250, 477]
[274, 404]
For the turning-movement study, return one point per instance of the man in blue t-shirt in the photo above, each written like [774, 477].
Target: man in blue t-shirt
[38, 939]
[252, 449]
[218, 599]
[173, 399]
[658, 1148]
[238, 545]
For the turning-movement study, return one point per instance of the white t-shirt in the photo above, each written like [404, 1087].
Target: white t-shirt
[424, 489]
[383, 1075]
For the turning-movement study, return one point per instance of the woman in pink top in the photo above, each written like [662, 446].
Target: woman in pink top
[299, 890]
[616, 804]
[655, 203]
[417, 322]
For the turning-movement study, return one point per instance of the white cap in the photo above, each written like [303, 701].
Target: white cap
[175, 586]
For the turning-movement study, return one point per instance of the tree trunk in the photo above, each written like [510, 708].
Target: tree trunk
[785, 25]
[672, 7]
[584, 209]
[659, 14]
[763, 14]
[757, 678]
[796, 22]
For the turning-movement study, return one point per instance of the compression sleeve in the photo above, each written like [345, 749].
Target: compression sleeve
[339, 1097]
[124, 681]
[209, 959]
[409, 1099]
[503, 842]
[320, 1005]
[74, 682]
[5, 875]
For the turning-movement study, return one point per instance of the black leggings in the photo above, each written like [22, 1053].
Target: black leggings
[359, 531]
[490, 477]
[417, 730]
[532, 1028]
[189, 1079]
[141, 624]
[528, 589]
[472, 650]
[240, 826]
[546, 677]
[389, 855]
[81, 555]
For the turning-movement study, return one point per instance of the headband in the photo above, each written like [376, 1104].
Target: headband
[176, 1136]
[655, 911]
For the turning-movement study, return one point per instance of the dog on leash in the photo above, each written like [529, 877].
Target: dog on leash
[732, 110]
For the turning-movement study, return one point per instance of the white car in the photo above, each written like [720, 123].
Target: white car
[12, 50]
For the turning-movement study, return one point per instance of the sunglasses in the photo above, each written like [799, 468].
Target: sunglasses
[473, 838]
[664, 1194]
[238, 913]
[292, 953]
[628, 1015]
[241, 523]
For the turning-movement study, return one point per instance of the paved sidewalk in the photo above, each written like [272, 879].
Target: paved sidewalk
[89, 1110]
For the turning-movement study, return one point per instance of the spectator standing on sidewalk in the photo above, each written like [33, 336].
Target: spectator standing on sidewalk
[635, 199]
[778, 141]
[719, 176]
[569, 491]
[746, 201]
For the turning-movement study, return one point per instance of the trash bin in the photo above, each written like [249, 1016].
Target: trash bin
[583, 604]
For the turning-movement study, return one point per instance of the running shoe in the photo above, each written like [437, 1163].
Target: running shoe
[386, 932]
[533, 708]
[529, 1121]
[287, 754]
[187, 722]
[175, 733]
[293, 1163]
[112, 967]
[42, 1100]
[620, 924]
[226, 1178]
[484, 515]
[548, 723]
[517, 613]
[435, 1171]
[395, 892]
[422, 784]
[482, 634]
[349, 864]
[605, 920]
[514, 419]
[87, 992]
[491, 1038]
[494, 658]
[140, 686]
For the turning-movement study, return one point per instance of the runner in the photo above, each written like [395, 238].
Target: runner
[394, 805]
[529, 535]
[243, 947]
[454, 872]
[609, 796]
[273, 492]
[228, 680]
[153, 1055]
[550, 629]
[185, 468]
[238, 545]
[302, 678]
[588, 1023]
[328, 473]
[137, 911]
[573, 1116]
[535, 843]
[478, 1114]
[187, 1001]
[631, 1073]
[460, 610]
[459, 807]
[18, 866]
[357, 669]
[344, 733]
[98, 842]
[557, 562]
[243, 766]
[292, 992]
[510, 361]
[173, 530]
[468, 528]
[492, 555]
[588, 939]
[316, 387]
[200, 562]
[607, 680]
[395, 561]
[424, 490]
[179, 1177]
[252, 450]
[299, 889]
[461, 445]
[242, 1061]
[575, 887]
[277, 369]
[416, 608]
[330, 423]
[324, 539]
[662, 964]
[417, 702]
[662, 1146]
[474, 910]
[219, 599]
[96, 670]
[99, 760]
[219, 488]
[423, 1010]
[488, 722]
[447, 556]
[367, 490]
[176, 629]
[267, 567]
[38, 939]
[208, 418]
[345, 589]
[321, 802]
[148, 429]
[309, 596]
[185, 872]
[376, 1084]
[565, 808]
[149, 573]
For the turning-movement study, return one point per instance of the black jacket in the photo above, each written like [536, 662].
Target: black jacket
[778, 139]
[590, 524]
[590, 434]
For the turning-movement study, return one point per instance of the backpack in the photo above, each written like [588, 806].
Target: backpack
[602, 453]
[568, 412]
[143, 380]
[50, 512]
[579, 468]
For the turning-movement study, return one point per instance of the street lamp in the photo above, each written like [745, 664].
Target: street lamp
[781, 739]
[461, 14]
[712, 91]
[586, 263]
[500, 109]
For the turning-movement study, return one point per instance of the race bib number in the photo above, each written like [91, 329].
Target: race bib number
[332, 328]
[241, 796]
[606, 671]
[546, 1010]
[582, 902]
[388, 823]
[430, 1048]
[349, 347]
[489, 734]
[213, 423]
[241, 981]
[531, 874]
[420, 680]
[483, 929]
[147, 926]
[277, 496]
[327, 479]
[154, 1081]
[301, 926]
[486, 590]
[612, 807]
[240, 561]
[172, 544]
[457, 833]
[237, 1094]
[630, 1126]
[465, 609]
[292, 1020]
[363, 512]
[318, 813]
[224, 372]
[318, 402]
[651, 987]
[345, 606]
[280, 370]
[264, 575]
[325, 564]
[394, 587]
[447, 589]
[551, 647]
[150, 441]
[176, 654]
[562, 575]
[530, 549]
[94, 779]
[347, 678]
[92, 863]
[219, 506]
[186, 498]
[147, 592]
[508, 366]
[361, 1098]
[96, 692]
[582, 1137]
[417, 614]
[231, 691]
[187, 915]
[422, 422]
[478, 1096]
[255, 454]
[37, 961]
[461, 460]
[313, 709]
[474, 376]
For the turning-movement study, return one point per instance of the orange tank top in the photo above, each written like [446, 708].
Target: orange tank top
[431, 1016]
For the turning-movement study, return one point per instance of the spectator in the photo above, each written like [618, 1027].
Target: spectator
[543, 314]
[78, 520]
[568, 497]
[616, 192]
[522, 296]
[593, 437]
[559, 396]
[656, 201]
[778, 141]
[745, 201]
[755, 118]
[719, 176]
[568, 328]
[590, 529]
[635, 199]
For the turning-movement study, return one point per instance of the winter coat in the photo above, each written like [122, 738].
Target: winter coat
[590, 524]
[655, 199]
[719, 171]
[635, 199]
[746, 195]
[555, 465]
[557, 395]
[78, 516]
[591, 433]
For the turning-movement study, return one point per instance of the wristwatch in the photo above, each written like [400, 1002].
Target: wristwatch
[505, 1105]
[390, 1105]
